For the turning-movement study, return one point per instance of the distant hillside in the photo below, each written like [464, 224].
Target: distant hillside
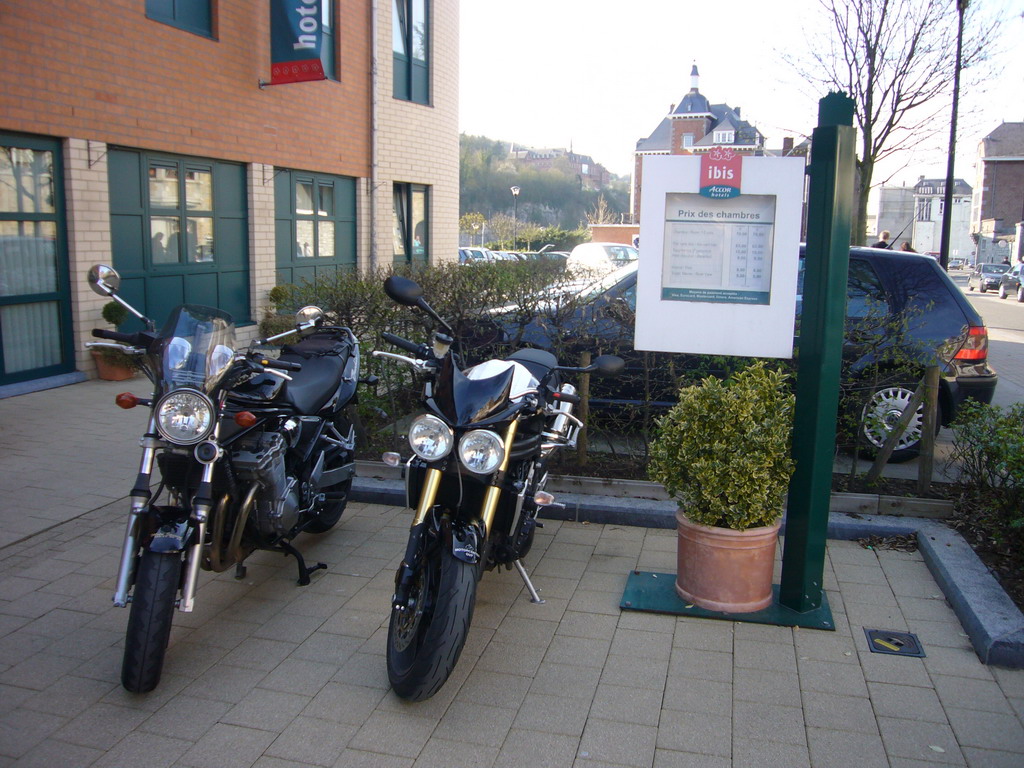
[550, 198]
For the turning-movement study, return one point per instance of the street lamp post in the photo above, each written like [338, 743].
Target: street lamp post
[947, 208]
[515, 215]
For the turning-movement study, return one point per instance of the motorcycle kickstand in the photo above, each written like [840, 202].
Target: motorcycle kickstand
[240, 571]
[304, 570]
[534, 597]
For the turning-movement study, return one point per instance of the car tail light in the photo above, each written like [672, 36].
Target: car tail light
[975, 346]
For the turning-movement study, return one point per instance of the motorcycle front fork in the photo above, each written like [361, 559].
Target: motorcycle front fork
[141, 497]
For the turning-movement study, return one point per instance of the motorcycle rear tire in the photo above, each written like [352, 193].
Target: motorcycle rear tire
[332, 511]
[423, 648]
[149, 623]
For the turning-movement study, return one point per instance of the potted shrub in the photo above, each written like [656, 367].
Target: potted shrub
[112, 365]
[723, 452]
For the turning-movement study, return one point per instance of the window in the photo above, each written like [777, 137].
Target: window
[865, 296]
[190, 15]
[411, 225]
[180, 200]
[924, 209]
[315, 225]
[724, 137]
[410, 42]
[687, 139]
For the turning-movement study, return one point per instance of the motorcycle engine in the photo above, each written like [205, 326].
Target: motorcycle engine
[260, 457]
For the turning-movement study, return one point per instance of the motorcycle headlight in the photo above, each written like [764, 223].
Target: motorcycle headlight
[481, 451]
[430, 438]
[184, 417]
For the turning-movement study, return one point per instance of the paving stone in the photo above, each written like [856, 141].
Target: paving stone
[769, 754]
[667, 758]
[752, 720]
[536, 750]
[845, 749]
[393, 734]
[552, 714]
[228, 746]
[906, 701]
[144, 749]
[265, 709]
[582, 651]
[920, 740]
[695, 732]
[310, 741]
[440, 753]
[53, 752]
[472, 723]
[641, 706]
[619, 743]
[988, 730]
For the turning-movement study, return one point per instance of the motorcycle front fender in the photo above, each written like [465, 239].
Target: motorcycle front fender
[170, 537]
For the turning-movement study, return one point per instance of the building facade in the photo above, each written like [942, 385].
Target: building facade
[145, 134]
[895, 214]
[591, 175]
[694, 126]
[929, 206]
[998, 204]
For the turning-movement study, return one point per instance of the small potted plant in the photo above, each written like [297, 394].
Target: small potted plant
[112, 365]
[723, 453]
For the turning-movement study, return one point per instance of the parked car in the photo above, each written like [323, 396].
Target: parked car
[475, 255]
[1009, 282]
[986, 276]
[941, 323]
[600, 258]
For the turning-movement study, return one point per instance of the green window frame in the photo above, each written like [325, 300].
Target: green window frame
[180, 201]
[315, 224]
[410, 42]
[194, 16]
[411, 223]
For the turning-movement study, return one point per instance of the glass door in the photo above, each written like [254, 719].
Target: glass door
[35, 329]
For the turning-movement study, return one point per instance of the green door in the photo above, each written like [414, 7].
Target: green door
[35, 303]
[179, 233]
[315, 225]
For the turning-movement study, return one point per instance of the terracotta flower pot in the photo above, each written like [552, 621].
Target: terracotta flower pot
[109, 371]
[725, 570]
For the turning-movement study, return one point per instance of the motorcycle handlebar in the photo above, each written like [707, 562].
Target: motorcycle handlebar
[566, 397]
[282, 365]
[125, 338]
[398, 341]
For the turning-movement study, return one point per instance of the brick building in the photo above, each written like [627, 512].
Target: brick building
[693, 127]
[591, 175]
[998, 205]
[143, 133]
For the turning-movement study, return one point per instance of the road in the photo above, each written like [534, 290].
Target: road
[1005, 321]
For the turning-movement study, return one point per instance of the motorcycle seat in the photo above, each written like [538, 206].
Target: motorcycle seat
[323, 363]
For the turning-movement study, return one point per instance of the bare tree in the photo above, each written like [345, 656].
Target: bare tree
[895, 58]
[602, 213]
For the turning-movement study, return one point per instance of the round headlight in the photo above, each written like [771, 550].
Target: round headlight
[430, 438]
[481, 451]
[184, 417]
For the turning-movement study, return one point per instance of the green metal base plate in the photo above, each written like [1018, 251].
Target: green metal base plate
[656, 593]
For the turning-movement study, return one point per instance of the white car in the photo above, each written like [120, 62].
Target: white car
[600, 258]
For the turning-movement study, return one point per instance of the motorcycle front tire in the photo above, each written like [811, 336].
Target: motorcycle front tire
[424, 645]
[149, 623]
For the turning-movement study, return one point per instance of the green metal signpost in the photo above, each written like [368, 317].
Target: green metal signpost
[830, 203]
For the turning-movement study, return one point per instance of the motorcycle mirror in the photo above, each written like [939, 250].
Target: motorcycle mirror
[309, 317]
[609, 365]
[403, 290]
[104, 280]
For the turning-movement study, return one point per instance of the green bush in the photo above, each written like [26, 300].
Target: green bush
[723, 451]
[988, 457]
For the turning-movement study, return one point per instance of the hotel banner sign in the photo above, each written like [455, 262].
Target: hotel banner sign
[297, 40]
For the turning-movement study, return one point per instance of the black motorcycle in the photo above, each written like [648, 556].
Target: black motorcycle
[250, 451]
[476, 481]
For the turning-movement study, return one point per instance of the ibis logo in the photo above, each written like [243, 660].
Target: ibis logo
[720, 172]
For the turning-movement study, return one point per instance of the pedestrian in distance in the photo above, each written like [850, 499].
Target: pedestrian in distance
[883, 239]
[907, 247]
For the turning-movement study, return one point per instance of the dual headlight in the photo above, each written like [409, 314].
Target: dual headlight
[185, 417]
[480, 450]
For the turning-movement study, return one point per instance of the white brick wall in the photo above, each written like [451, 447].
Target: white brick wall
[88, 220]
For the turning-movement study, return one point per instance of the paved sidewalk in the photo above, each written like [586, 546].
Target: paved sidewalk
[268, 674]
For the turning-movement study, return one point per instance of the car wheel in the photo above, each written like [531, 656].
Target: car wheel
[969, 286]
[881, 414]
[1002, 291]
[1020, 293]
[982, 288]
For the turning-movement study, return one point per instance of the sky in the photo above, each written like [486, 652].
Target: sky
[597, 75]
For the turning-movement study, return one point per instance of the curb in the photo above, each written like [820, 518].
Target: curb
[992, 621]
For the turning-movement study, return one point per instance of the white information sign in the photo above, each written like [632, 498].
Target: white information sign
[719, 253]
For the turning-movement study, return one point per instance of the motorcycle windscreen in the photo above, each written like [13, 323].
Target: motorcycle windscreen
[196, 347]
[466, 401]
